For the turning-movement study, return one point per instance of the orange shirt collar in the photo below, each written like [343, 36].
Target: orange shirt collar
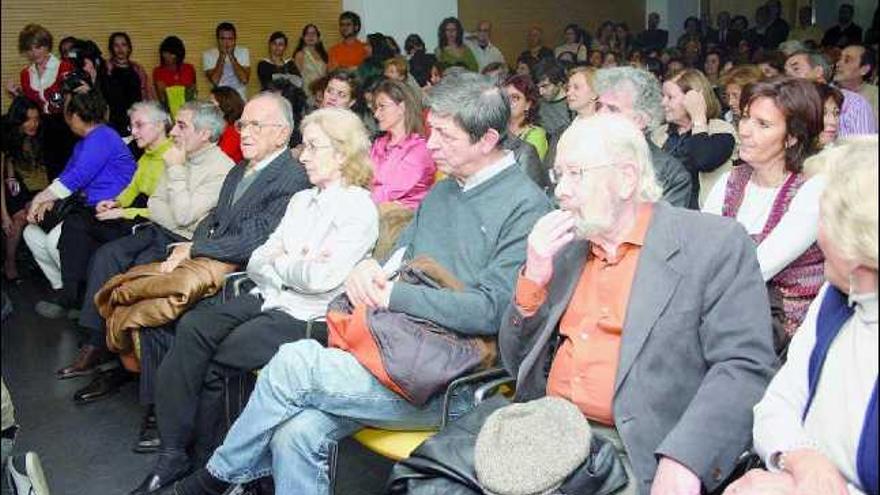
[636, 235]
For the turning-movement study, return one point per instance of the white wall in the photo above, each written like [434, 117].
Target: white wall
[400, 18]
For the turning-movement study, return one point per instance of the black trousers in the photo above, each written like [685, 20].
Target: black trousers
[145, 246]
[81, 235]
[213, 343]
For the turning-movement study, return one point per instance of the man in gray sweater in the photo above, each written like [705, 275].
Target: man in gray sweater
[475, 224]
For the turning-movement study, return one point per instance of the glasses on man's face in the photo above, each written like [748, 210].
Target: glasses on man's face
[574, 174]
[257, 126]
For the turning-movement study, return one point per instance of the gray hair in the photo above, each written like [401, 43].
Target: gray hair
[817, 59]
[206, 117]
[283, 104]
[474, 103]
[791, 46]
[154, 112]
[644, 87]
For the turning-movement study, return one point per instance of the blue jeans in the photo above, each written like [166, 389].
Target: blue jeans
[307, 398]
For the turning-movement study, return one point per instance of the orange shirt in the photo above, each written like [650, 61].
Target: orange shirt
[347, 55]
[585, 365]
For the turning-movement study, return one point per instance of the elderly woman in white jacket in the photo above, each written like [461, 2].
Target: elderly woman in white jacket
[325, 231]
[816, 427]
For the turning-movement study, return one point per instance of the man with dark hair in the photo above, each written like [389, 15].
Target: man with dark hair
[553, 113]
[854, 69]
[350, 52]
[777, 29]
[653, 38]
[846, 32]
[806, 30]
[228, 64]
[856, 114]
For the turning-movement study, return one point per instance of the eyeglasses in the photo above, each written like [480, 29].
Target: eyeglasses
[241, 125]
[574, 174]
[312, 147]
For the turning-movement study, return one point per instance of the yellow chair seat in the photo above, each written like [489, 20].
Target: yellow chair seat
[394, 445]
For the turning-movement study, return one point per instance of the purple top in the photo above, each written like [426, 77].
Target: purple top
[403, 173]
[856, 115]
[100, 166]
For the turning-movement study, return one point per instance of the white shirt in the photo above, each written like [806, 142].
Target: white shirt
[301, 267]
[794, 234]
[488, 172]
[485, 56]
[40, 83]
[834, 423]
[266, 161]
[209, 61]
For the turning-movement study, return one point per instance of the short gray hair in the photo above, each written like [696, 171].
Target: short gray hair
[644, 87]
[474, 102]
[817, 59]
[283, 104]
[206, 117]
[154, 112]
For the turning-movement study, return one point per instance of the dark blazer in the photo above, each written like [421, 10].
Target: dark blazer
[231, 232]
[697, 348]
[676, 181]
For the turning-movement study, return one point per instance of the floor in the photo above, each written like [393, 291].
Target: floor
[86, 450]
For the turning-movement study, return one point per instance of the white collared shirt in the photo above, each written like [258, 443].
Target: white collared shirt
[488, 172]
[264, 162]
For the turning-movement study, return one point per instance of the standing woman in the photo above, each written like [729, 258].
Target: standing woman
[276, 66]
[403, 171]
[126, 82]
[174, 79]
[769, 194]
[310, 57]
[232, 105]
[451, 49]
[694, 132]
[524, 102]
[24, 173]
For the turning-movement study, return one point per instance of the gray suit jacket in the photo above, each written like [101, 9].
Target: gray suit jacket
[676, 181]
[697, 350]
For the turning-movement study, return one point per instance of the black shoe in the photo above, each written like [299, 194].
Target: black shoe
[148, 437]
[170, 467]
[104, 385]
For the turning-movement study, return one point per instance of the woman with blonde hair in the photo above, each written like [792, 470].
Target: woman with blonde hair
[579, 92]
[694, 132]
[325, 231]
[816, 427]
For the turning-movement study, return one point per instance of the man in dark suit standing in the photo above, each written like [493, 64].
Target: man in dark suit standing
[653, 38]
[653, 320]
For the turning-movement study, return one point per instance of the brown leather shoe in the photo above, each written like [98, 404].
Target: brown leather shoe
[86, 362]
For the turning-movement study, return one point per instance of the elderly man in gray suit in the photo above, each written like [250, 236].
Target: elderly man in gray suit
[653, 320]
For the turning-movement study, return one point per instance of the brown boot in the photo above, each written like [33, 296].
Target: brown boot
[86, 362]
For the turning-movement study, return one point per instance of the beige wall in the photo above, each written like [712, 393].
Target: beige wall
[148, 22]
[511, 19]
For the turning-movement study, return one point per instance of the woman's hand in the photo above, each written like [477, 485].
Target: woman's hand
[37, 211]
[107, 204]
[111, 214]
[695, 105]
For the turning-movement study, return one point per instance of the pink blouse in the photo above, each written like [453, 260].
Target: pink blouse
[402, 173]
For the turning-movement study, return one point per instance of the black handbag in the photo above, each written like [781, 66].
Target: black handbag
[60, 210]
[444, 464]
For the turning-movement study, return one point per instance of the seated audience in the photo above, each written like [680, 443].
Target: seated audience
[580, 96]
[573, 44]
[451, 49]
[653, 38]
[497, 71]
[732, 84]
[24, 174]
[421, 63]
[228, 64]
[845, 32]
[343, 90]
[310, 57]
[816, 427]
[403, 171]
[350, 52]
[85, 230]
[553, 112]
[712, 64]
[194, 170]
[276, 65]
[535, 51]
[486, 197]
[480, 44]
[854, 70]
[524, 108]
[126, 82]
[374, 65]
[772, 64]
[770, 196]
[856, 114]
[230, 103]
[694, 132]
[325, 232]
[396, 69]
[636, 95]
[100, 168]
[175, 80]
[806, 30]
[632, 310]
[832, 101]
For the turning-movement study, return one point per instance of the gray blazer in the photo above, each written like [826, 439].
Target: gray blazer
[697, 349]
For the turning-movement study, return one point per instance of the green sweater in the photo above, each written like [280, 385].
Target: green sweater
[480, 236]
[149, 170]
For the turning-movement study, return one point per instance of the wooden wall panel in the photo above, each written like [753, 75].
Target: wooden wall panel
[511, 19]
[149, 21]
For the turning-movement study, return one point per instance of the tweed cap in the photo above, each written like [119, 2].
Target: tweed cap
[531, 448]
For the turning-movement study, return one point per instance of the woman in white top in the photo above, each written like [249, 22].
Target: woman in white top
[325, 231]
[772, 198]
[816, 427]
[574, 43]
